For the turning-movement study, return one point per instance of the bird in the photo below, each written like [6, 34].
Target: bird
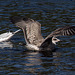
[6, 36]
[32, 34]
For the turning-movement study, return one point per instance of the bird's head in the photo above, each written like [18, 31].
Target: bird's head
[55, 40]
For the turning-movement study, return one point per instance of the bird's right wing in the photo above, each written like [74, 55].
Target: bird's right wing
[30, 27]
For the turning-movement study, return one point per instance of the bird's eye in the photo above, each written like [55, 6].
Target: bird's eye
[54, 39]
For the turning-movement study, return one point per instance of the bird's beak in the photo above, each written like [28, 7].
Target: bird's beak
[59, 40]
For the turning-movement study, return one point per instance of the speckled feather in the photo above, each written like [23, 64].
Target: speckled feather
[32, 32]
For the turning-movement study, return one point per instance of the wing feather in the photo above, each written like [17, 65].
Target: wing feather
[65, 31]
[31, 29]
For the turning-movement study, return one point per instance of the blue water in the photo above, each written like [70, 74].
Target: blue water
[15, 59]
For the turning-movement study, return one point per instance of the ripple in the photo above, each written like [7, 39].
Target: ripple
[16, 59]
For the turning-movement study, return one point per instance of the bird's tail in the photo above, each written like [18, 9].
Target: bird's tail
[17, 31]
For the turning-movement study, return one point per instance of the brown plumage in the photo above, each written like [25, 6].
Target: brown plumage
[32, 33]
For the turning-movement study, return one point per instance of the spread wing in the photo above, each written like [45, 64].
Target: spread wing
[65, 31]
[31, 29]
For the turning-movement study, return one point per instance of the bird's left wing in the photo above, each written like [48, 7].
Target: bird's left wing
[64, 31]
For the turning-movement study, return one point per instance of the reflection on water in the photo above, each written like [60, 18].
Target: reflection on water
[52, 14]
[6, 44]
[29, 62]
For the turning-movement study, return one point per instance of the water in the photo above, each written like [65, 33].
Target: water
[15, 59]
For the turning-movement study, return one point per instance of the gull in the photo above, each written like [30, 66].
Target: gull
[32, 34]
[6, 36]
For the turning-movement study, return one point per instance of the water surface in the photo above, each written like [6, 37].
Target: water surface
[16, 59]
